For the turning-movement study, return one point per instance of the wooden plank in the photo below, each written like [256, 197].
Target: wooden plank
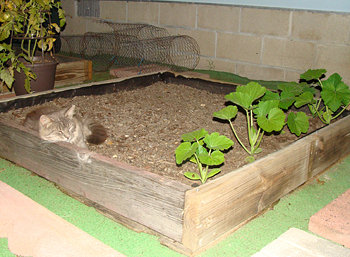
[218, 207]
[71, 70]
[147, 198]
[331, 144]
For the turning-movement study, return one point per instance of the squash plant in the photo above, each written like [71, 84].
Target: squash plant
[266, 111]
[263, 115]
[205, 150]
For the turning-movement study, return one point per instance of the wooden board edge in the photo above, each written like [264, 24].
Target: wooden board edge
[176, 189]
[259, 190]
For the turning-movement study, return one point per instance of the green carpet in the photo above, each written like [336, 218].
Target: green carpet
[294, 210]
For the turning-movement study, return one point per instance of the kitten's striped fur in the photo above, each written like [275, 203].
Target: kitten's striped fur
[64, 125]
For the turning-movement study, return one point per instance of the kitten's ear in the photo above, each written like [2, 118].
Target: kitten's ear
[44, 120]
[70, 111]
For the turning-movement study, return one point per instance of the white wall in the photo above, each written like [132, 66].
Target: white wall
[317, 5]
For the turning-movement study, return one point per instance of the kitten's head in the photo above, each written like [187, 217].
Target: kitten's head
[58, 126]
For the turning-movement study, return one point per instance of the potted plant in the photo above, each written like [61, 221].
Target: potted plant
[27, 35]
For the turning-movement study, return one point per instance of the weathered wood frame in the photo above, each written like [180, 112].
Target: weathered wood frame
[190, 219]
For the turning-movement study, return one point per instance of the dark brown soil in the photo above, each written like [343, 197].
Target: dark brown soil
[145, 126]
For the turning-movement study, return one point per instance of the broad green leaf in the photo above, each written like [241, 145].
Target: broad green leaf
[264, 107]
[287, 99]
[184, 151]
[246, 95]
[270, 96]
[307, 88]
[213, 172]
[304, 98]
[312, 74]
[201, 150]
[194, 136]
[226, 113]
[335, 93]
[27, 85]
[215, 158]
[274, 121]
[192, 175]
[240, 99]
[298, 123]
[291, 88]
[6, 76]
[216, 141]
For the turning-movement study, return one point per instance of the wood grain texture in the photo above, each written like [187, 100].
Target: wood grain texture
[220, 206]
[144, 197]
[331, 144]
[71, 70]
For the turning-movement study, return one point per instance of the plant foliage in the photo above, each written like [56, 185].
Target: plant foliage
[205, 150]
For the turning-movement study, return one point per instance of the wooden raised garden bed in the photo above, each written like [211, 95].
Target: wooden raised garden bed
[188, 219]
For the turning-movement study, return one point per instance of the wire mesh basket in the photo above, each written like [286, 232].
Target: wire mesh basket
[138, 30]
[133, 45]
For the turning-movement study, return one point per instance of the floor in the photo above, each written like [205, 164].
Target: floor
[291, 212]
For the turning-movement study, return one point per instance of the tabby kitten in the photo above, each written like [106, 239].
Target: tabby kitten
[64, 125]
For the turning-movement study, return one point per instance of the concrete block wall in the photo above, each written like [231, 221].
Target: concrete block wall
[259, 43]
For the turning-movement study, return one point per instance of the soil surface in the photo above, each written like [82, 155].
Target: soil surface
[145, 126]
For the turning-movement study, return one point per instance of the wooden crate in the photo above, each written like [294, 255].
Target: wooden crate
[72, 70]
[187, 219]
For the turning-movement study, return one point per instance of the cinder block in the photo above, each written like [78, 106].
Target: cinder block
[75, 26]
[325, 27]
[332, 222]
[216, 17]
[299, 55]
[94, 26]
[265, 21]
[69, 8]
[227, 66]
[239, 47]
[177, 14]
[205, 39]
[334, 58]
[274, 51]
[143, 12]
[259, 72]
[113, 10]
[291, 75]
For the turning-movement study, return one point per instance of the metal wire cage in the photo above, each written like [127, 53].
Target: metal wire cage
[131, 45]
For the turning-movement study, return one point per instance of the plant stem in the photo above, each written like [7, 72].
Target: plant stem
[239, 141]
[259, 141]
[199, 165]
[344, 108]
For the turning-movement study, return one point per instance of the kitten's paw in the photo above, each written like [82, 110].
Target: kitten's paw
[84, 157]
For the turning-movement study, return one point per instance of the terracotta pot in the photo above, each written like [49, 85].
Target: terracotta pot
[45, 70]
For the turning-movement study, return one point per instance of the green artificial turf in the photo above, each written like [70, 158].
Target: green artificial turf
[233, 78]
[293, 210]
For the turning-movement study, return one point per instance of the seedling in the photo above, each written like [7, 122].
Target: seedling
[205, 150]
[261, 116]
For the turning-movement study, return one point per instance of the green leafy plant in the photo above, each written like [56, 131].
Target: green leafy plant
[205, 150]
[263, 114]
[25, 26]
[333, 99]
[326, 99]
